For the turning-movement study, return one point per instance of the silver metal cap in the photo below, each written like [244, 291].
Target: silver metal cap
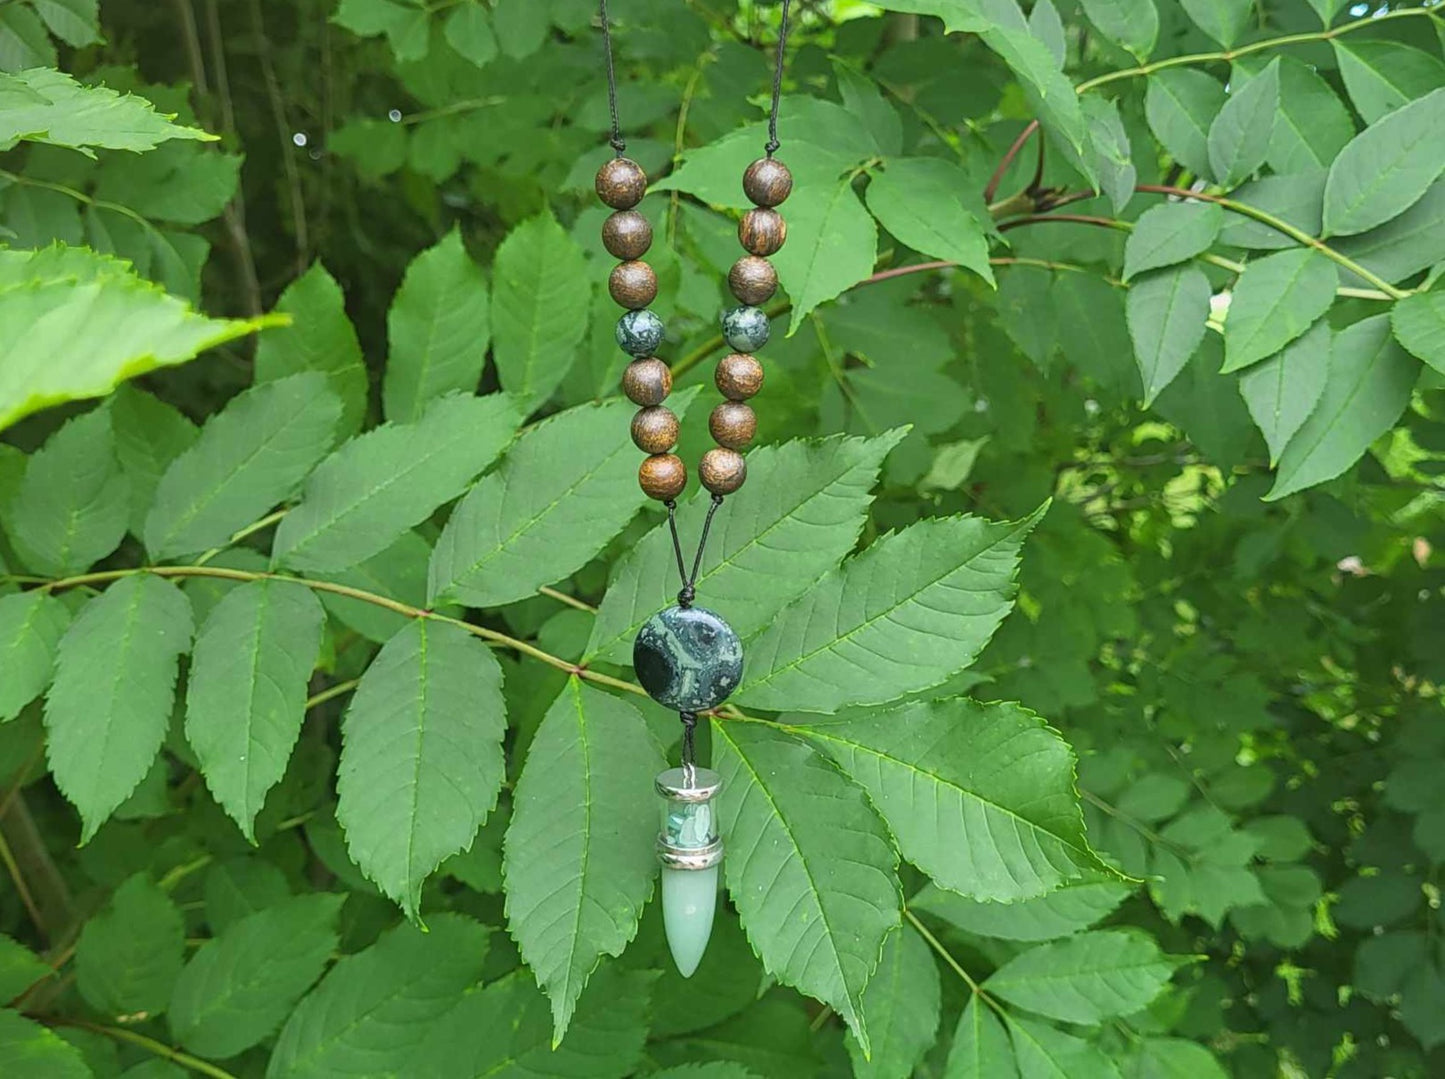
[688, 857]
[676, 785]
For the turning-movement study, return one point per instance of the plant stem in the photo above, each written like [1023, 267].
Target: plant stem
[1007, 160]
[944, 953]
[150, 1045]
[21, 888]
[331, 692]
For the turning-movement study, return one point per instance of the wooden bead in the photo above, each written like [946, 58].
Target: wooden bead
[767, 182]
[738, 376]
[723, 470]
[762, 232]
[753, 280]
[654, 429]
[663, 476]
[732, 424]
[647, 381]
[627, 235]
[632, 284]
[621, 183]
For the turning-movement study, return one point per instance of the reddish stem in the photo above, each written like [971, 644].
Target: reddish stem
[1013, 151]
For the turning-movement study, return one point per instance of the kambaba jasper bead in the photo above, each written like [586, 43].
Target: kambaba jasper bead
[745, 328]
[627, 235]
[632, 284]
[762, 231]
[647, 381]
[722, 470]
[753, 280]
[639, 332]
[655, 429]
[621, 183]
[738, 376]
[662, 476]
[767, 182]
[732, 424]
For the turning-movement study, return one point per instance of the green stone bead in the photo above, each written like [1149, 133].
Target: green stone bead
[688, 658]
[639, 333]
[746, 328]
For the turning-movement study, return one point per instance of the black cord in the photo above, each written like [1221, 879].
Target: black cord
[618, 142]
[689, 725]
[772, 144]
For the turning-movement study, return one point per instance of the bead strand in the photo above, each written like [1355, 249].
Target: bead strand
[753, 280]
[647, 381]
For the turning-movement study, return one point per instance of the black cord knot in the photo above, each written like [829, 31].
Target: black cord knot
[686, 594]
[689, 725]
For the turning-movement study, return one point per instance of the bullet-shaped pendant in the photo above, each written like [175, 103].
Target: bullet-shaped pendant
[690, 852]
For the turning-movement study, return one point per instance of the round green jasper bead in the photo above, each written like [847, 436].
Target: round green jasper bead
[746, 328]
[688, 658]
[639, 332]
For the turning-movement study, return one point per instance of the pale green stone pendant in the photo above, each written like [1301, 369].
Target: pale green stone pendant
[690, 851]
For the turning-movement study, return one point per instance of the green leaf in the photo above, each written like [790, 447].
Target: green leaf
[469, 31]
[43, 105]
[1383, 75]
[806, 506]
[31, 1051]
[405, 26]
[864, 98]
[1073, 906]
[115, 676]
[421, 758]
[1419, 325]
[901, 1005]
[566, 487]
[981, 1048]
[251, 455]
[130, 954]
[1133, 24]
[579, 860]
[246, 695]
[1239, 137]
[1098, 975]
[1313, 124]
[378, 485]
[1368, 386]
[241, 886]
[1045, 1052]
[832, 245]
[542, 292]
[73, 324]
[320, 338]
[1181, 105]
[1326, 10]
[1167, 310]
[178, 182]
[921, 201]
[76, 22]
[20, 968]
[980, 797]
[1223, 20]
[1174, 1058]
[809, 865]
[521, 27]
[1170, 233]
[1282, 391]
[73, 504]
[438, 328]
[1386, 168]
[373, 1010]
[1276, 299]
[31, 626]
[1112, 155]
[149, 434]
[399, 572]
[912, 609]
[238, 988]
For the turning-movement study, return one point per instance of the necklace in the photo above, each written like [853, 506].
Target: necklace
[687, 657]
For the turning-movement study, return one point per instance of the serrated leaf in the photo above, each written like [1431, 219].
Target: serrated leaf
[373, 1010]
[1073, 906]
[1281, 392]
[76, 22]
[901, 1004]
[238, 987]
[542, 292]
[320, 338]
[1386, 168]
[1167, 310]
[809, 866]
[31, 1051]
[1223, 20]
[438, 328]
[44, 105]
[921, 201]
[469, 31]
[1313, 124]
[246, 694]
[1181, 105]
[1368, 386]
[1419, 324]
[238, 887]
[1171, 233]
[1239, 137]
[980, 797]
[1174, 1058]
[1383, 75]
[31, 626]
[1112, 154]
[1133, 24]
[1098, 975]
[1276, 299]
[109, 708]
[399, 572]
[579, 859]
[251, 455]
[1045, 1052]
[149, 434]
[912, 609]
[378, 485]
[421, 758]
[832, 245]
[20, 968]
[179, 182]
[981, 1048]
[564, 489]
[405, 25]
[130, 954]
[763, 551]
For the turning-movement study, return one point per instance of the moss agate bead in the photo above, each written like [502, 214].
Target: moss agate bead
[746, 328]
[688, 658]
[640, 332]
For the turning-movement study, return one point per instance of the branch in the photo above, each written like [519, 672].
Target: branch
[1008, 157]
[150, 1045]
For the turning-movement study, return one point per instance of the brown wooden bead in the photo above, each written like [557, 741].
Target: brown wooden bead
[738, 376]
[621, 183]
[647, 381]
[632, 284]
[753, 280]
[627, 235]
[663, 476]
[732, 424]
[767, 182]
[722, 470]
[762, 232]
[654, 429]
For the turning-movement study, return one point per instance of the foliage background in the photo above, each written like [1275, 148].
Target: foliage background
[1230, 608]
